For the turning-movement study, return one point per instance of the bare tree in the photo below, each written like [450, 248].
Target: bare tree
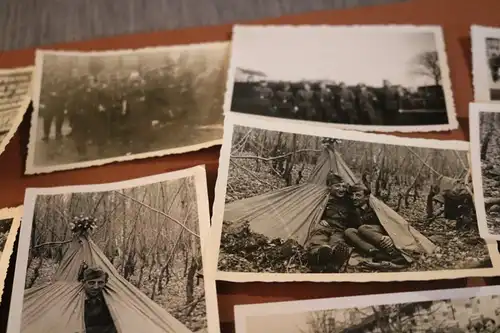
[427, 64]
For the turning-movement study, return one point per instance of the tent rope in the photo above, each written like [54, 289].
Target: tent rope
[159, 212]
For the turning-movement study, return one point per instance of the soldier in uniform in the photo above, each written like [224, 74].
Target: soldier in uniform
[138, 129]
[285, 101]
[367, 235]
[325, 98]
[265, 98]
[79, 121]
[305, 103]
[52, 110]
[346, 105]
[366, 106]
[96, 313]
[459, 206]
[390, 103]
[327, 249]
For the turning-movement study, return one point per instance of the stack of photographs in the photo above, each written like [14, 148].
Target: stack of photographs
[310, 187]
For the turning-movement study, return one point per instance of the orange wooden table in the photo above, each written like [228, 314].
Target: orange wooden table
[455, 16]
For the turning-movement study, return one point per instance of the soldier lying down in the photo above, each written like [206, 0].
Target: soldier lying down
[348, 220]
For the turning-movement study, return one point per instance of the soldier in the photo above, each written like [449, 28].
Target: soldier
[390, 104]
[325, 99]
[265, 98]
[370, 238]
[138, 128]
[305, 103]
[459, 206]
[96, 313]
[327, 249]
[285, 101]
[366, 106]
[52, 110]
[346, 105]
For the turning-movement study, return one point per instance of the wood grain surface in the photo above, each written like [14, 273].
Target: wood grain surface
[455, 16]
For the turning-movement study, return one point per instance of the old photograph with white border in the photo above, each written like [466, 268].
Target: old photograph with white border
[119, 257]
[486, 63]
[484, 127]
[94, 108]
[10, 219]
[373, 78]
[15, 98]
[303, 203]
[448, 310]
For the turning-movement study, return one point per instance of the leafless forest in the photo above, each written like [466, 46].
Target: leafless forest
[462, 315]
[144, 231]
[5, 225]
[405, 178]
[490, 159]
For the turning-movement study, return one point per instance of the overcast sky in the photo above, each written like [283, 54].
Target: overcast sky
[349, 56]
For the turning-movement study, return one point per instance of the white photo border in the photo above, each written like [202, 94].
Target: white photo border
[475, 110]
[14, 213]
[243, 312]
[26, 100]
[32, 168]
[443, 60]
[480, 72]
[235, 119]
[198, 172]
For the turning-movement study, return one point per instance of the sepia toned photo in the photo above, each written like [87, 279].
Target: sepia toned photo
[10, 219]
[296, 203]
[120, 257]
[15, 97]
[485, 149]
[466, 310]
[93, 108]
[486, 63]
[383, 78]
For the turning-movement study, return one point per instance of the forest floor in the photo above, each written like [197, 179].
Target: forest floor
[243, 250]
[491, 181]
[172, 299]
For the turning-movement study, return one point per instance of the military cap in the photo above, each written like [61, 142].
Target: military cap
[92, 273]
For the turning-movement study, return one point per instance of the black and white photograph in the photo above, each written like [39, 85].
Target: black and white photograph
[10, 219]
[485, 153]
[121, 257]
[93, 108]
[373, 78]
[465, 310]
[296, 203]
[15, 97]
[486, 63]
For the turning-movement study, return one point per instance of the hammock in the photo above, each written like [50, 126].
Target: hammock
[290, 212]
[58, 306]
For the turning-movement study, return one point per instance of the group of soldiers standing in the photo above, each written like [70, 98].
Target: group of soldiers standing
[108, 112]
[334, 103]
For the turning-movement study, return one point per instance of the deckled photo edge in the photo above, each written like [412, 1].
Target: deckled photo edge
[249, 121]
[441, 48]
[35, 92]
[7, 252]
[197, 172]
[22, 108]
[32, 169]
[147, 49]
[479, 62]
[242, 312]
[475, 110]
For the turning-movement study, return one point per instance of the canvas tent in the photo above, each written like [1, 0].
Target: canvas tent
[291, 212]
[58, 306]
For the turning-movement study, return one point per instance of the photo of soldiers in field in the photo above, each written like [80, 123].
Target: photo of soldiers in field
[386, 78]
[95, 107]
[297, 204]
